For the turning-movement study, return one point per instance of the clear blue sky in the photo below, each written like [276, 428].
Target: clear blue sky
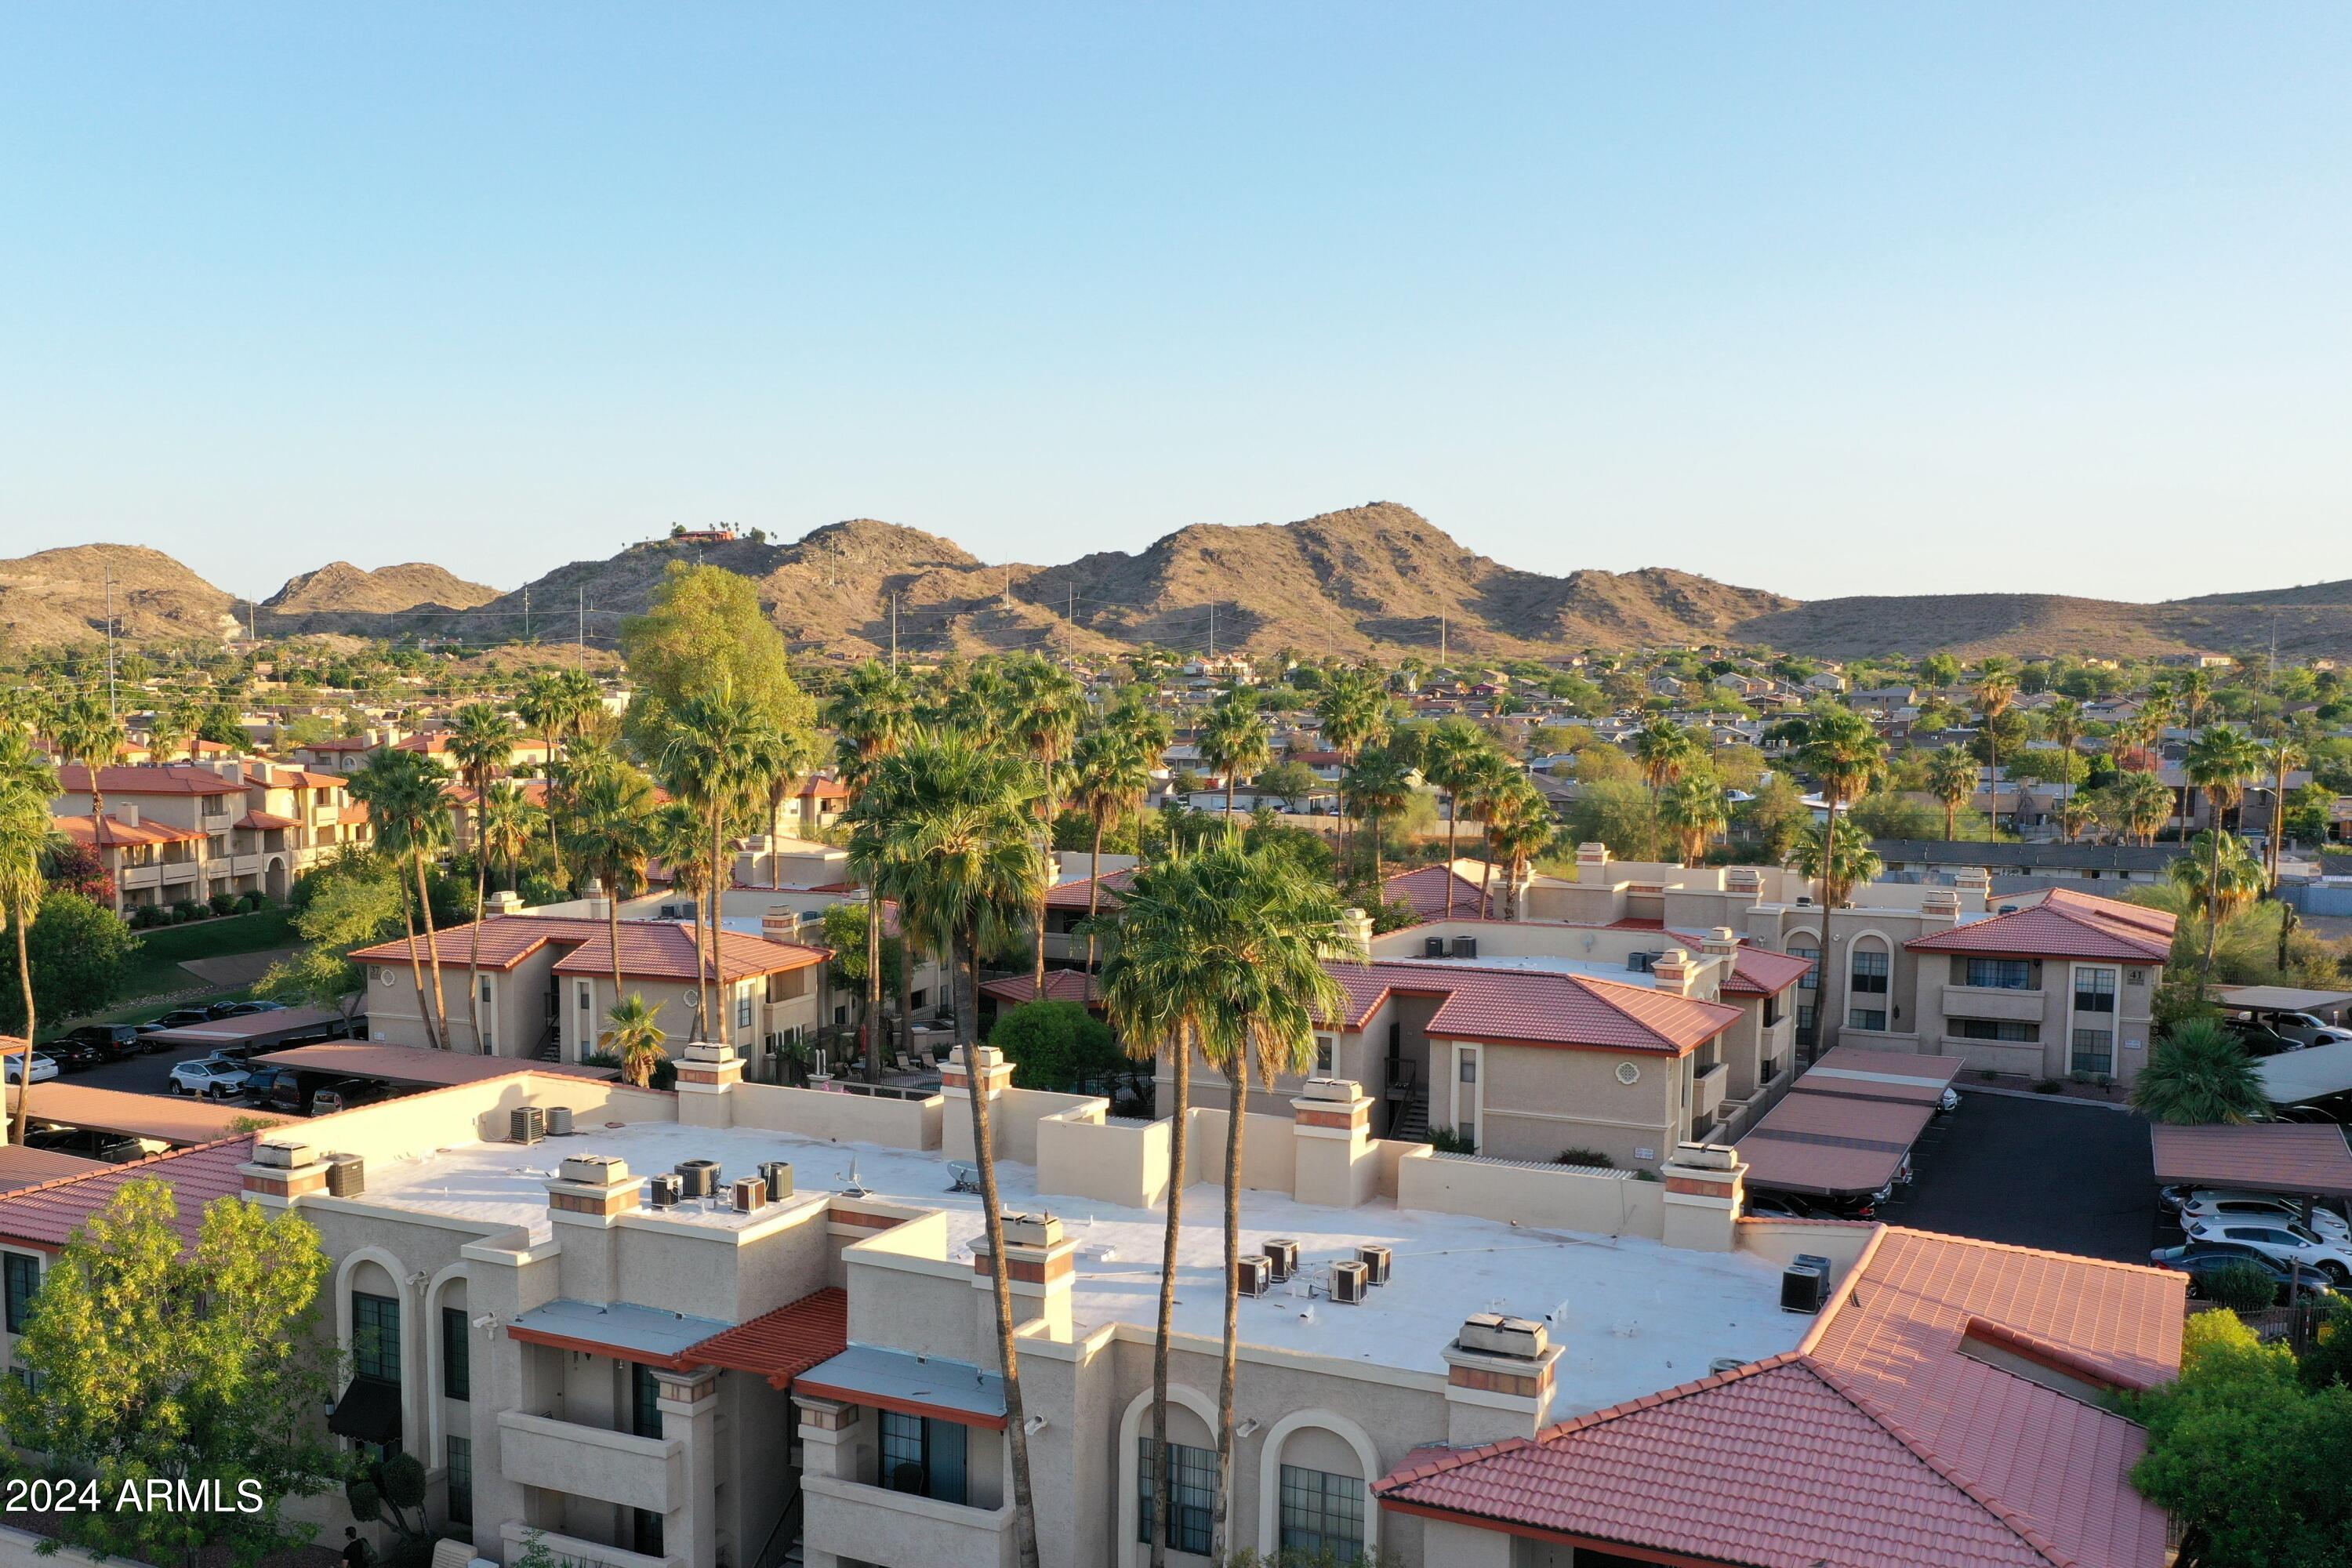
[1824, 299]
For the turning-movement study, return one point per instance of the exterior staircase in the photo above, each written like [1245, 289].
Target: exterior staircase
[1411, 1124]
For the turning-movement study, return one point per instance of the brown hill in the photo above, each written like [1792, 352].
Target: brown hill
[340, 588]
[2307, 623]
[60, 597]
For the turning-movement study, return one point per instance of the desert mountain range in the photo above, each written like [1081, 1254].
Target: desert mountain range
[1374, 577]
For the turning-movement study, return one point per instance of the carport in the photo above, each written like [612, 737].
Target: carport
[161, 1121]
[414, 1066]
[2303, 1160]
[2282, 999]
[1845, 1128]
[2297, 1078]
[255, 1029]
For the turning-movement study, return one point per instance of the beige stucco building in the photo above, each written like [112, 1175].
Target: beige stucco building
[185, 831]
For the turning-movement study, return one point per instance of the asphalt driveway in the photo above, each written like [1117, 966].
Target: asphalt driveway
[2043, 1173]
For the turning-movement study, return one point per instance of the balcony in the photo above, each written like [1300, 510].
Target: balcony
[589, 1461]
[1993, 1002]
[570, 1549]
[874, 1524]
[1707, 1091]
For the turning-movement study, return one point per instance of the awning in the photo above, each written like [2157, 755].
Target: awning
[2315, 1072]
[910, 1385]
[781, 1345]
[643, 1334]
[2279, 998]
[369, 1411]
[2299, 1158]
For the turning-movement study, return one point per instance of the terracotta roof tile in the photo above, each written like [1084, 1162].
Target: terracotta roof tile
[113, 833]
[2065, 924]
[1073, 895]
[1061, 985]
[173, 778]
[1537, 1006]
[265, 821]
[650, 950]
[1424, 890]
[47, 1215]
[781, 1345]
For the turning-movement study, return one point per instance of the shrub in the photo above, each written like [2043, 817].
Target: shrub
[1584, 1157]
[225, 903]
[665, 1070]
[1987, 1073]
[187, 909]
[1446, 1140]
[2048, 1086]
[2245, 1287]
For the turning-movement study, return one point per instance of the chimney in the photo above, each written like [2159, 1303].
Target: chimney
[957, 1074]
[1703, 1195]
[1591, 862]
[1355, 929]
[505, 901]
[1974, 884]
[1333, 1161]
[1674, 972]
[1721, 943]
[1039, 1263]
[230, 769]
[126, 812]
[780, 923]
[1941, 905]
[283, 1169]
[594, 1186]
[1743, 880]
[707, 1070]
[1498, 1376]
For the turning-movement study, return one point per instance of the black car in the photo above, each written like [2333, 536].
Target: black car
[246, 1009]
[178, 1018]
[2262, 1040]
[1767, 1204]
[113, 1041]
[347, 1094]
[74, 1055]
[2200, 1258]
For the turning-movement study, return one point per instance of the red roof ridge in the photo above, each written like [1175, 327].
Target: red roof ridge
[1937, 1236]
[115, 1168]
[1886, 1419]
[1838, 1298]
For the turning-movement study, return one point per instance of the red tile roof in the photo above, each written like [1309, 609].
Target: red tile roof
[650, 950]
[2065, 924]
[45, 1216]
[1424, 890]
[113, 833]
[1073, 894]
[1880, 1441]
[1760, 972]
[22, 1167]
[2308, 1158]
[1061, 985]
[264, 821]
[1536, 1006]
[174, 778]
[781, 1345]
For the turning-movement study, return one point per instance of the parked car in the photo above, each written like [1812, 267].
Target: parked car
[2220, 1204]
[262, 1088]
[178, 1018]
[2201, 1259]
[117, 1041]
[209, 1078]
[45, 1068]
[2304, 1029]
[246, 1009]
[1778, 1206]
[74, 1055]
[346, 1094]
[2262, 1040]
[2283, 1243]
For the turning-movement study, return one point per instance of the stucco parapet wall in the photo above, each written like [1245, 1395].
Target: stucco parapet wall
[592, 1462]
[567, 1549]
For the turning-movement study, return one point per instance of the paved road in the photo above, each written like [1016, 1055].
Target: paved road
[2035, 1172]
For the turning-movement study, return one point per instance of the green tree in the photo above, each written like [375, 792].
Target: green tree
[1887, 814]
[152, 1359]
[609, 835]
[1664, 751]
[1353, 710]
[1694, 810]
[1108, 779]
[2134, 807]
[1378, 790]
[1235, 741]
[2220, 761]
[872, 712]
[27, 785]
[1996, 689]
[1950, 776]
[343, 914]
[90, 734]
[76, 951]
[1046, 704]
[703, 629]
[706, 753]
[481, 741]
[1055, 1045]
[1940, 670]
[2198, 1074]
[1854, 862]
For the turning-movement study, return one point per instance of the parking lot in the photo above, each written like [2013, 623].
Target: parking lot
[2068, 1177]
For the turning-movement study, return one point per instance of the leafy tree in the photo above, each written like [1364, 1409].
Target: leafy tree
[1288, 783]
[1694, 809]
[347, 913]
[224, 726]
[1950, 776]
[2245, 1455]
[2242, 1287]
[1940, 670]
[1771, 821]
[392, 1490]
[75, 868]
[1619, 813]
[705, 628]
[1056, 1045]
[28, 784]
[155, 1360]
[77, 951]
[1888, 815]
[2196, 1074]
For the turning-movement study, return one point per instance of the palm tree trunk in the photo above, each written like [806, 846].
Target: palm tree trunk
[438, 1020]
[1951, 819]
[905, 984]
[474, 954]
[775, 820]
[612, 937]
[1094, 890]
[1236, 1119]
[1486, 873]
[25, 1058]
[415, 963]
[1453, 821]
[1379, 891]
[983, 1154]
[718, 1025]
[1162, 1483]
[1231, 774]
[870, 1035]
[1045, 891]
[2213, 890]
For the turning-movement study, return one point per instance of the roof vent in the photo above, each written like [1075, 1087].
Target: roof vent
[1491, 1333]
[2006, 910]
[1805, 1284]
[1723, 1363]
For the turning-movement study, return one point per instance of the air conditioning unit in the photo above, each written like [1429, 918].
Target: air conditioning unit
[1252, 1275]
[778, 1175]
[1281, 1260]
[1804, 900]
[1432, 947]
[346, 1176]
[1642, 963]
[1349, 1283]
[1805, 1284]
[558, 1122]
[678, 912]
[700, 1177]
[750, 1193]
[1377, 1261]
[526, 1124]
[665, 1190]
[1466, 947]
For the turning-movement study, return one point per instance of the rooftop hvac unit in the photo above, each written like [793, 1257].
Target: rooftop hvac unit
[346, 1176]
[778, 1175]
[1805, 1284]
[1377, 1261]
[700, 1177]
[526, 1124]
[1349, 1283]
[558, 1122]
[678, 912]
[664, 1189]
[751, 1192]
[1432, 947]
[1466, 947]
[1281, 1260]
[1252, 1275]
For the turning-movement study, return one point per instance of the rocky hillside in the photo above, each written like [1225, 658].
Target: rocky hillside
[60, 597]
[340, 588]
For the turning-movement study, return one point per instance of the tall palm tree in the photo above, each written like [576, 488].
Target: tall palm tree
[871, 713]
[632, 1035]
[2197, 1075]
[1448, 754]
[27, 785]
[674, 835]
[1996, 689]
[1235, 741]
[1519, 827]
[2062, 720]
[1487, 790]
[1159, 991]
[402, 791]
[480, 742]
[1695, 808]
[174, 727]
[708, 749]
[1048, 703]
[1664, 751]
[1378, 790]
[1109, 778]
[2220, 761]
[1842, 750]
[963, 830]
[1951, 778]
[89, 733]
[2283, 752]
[1839, 863]
[781, 757]
[2219, 877]
[1143, 726]
[506, 827]
[1266, 930]
[609, 834]
[544, 707]
[1353, 708]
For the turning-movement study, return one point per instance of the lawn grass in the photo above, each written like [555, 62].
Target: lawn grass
[154, 969]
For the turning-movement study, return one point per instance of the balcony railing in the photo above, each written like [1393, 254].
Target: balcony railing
[851, 1519]
[1706, 1090]
[591, 1462]
[570, 1551]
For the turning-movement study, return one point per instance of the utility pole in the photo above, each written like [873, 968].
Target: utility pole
[110, 643]
[1212, 629]
[1441, 642]
[583, 626]
[526, 612]
[894, 634]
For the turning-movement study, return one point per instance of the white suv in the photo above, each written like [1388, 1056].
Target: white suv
[2286, 1243]
[2219, 1204]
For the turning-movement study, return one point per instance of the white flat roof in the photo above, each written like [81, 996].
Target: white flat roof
[1632, 1315]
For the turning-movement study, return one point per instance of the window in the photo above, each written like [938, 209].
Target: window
[24, 1279]
[1813, 980]
[1994, 1029]
[2095, 991]
[1805, 1019]
[587, 994]
[1869, 977]
[1873, 1019]
[1192, 1494]
[1773, 1011]
[743, 1009]
[1322, 1512]
[1999, 974]
[646, 1531]
[461, 1481]
[457, 1354]
[925, 1456]
[915, 1000]
[2095, 1050]
[644, 1408]
[1469, 1066]
[375, 1337]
